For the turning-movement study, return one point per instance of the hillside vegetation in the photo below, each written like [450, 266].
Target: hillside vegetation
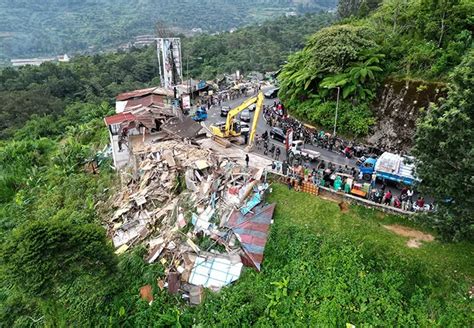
[263, 47]
[46, 91]
[428, 40]
[63, 26]
[322, 267]
[422, 39]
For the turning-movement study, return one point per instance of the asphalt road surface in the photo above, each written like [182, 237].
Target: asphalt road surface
[326, 155]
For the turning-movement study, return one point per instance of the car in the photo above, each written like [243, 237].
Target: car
[278, 134]
[225, 110]
[252, 107]
[272, 93]
[244, 128]
[245, 115]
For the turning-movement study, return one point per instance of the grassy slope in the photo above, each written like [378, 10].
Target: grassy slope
[363, 225]
[325, 268]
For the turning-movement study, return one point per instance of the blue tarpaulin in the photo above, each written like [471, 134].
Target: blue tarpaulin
[254, 201]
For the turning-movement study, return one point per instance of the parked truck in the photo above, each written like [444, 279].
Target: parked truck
[200, 115]
[298, 150]
[389, 166]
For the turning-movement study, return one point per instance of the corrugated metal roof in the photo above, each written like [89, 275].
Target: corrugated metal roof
[215, 271]
[135, 93]
[252, 230]
[119, 118]
[146, 101]
[144, 92]
[187, 128]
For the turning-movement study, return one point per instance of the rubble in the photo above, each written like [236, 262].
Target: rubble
[199, 212]
[215, 271]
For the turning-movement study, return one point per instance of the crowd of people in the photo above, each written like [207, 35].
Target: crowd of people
[345, 179]
[276, 116]
[327, 174]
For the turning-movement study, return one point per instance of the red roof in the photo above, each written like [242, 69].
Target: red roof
[119, 118]
[252, 229]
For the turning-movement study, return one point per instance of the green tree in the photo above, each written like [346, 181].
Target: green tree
[329, 52]
[41, 259]
[445, 154]
[359, 80]
[361, 8]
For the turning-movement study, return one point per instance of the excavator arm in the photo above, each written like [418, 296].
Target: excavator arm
[235, 111]
[256, 116]
[226, 130]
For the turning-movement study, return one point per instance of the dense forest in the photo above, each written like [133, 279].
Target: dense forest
[46, 90]
[63, 26]
[263, 47]
[58, 268]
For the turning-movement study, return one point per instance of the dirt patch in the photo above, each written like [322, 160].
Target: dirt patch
[380, 215]
[344, 207]
[416, 237]
[413, 243]
[330, 196]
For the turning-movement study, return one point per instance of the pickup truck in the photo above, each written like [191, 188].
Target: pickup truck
[389, 167]
[298, 150]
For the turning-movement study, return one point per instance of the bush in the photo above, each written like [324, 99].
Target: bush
[352, 119]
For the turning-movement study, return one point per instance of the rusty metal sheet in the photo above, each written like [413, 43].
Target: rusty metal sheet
[252, 230]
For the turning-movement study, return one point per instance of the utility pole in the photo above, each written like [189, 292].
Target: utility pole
[337, 107]
[189, 78]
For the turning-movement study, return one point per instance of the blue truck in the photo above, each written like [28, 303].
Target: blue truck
[390, 166]
[200, 115]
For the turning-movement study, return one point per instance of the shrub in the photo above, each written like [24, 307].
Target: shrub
[352, 119]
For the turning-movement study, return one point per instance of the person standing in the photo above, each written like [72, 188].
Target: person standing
[387, 198]
[374, 180]
[404, 191]
[247, 159]
[410, 195]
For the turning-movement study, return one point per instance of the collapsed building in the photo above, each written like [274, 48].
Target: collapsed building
[198, 209]
[201, 214]
[139, 119]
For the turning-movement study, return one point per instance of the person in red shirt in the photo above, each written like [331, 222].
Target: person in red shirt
[420, 202]
[387, 197]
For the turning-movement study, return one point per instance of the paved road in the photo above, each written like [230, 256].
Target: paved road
[326, 155]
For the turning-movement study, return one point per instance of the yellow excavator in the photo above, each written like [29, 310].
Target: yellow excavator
[225, 132]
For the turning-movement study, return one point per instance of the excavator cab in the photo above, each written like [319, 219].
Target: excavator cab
[232, 127]
[236, 128]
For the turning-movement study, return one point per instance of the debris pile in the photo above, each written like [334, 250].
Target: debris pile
[200, 214]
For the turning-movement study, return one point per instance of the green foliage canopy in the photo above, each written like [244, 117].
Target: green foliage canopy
[57, 26]
[444, 151]
[45, 255]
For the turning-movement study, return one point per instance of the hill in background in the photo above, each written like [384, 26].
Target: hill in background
[52, 27]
